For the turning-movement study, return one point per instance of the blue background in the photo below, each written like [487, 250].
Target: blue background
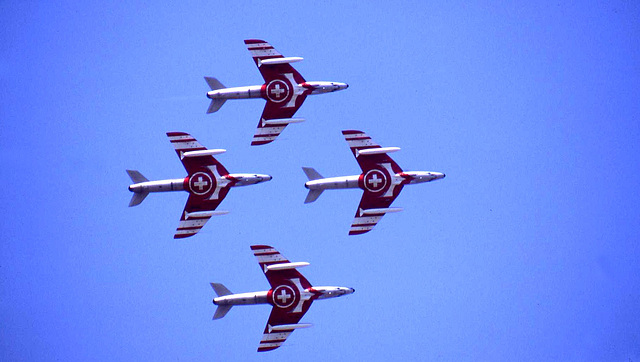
[528, 250]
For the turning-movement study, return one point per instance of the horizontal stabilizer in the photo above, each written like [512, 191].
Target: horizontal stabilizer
[311, 173]
[313, 195]
[222, 311]
[136, 176]
[220, 289]
[214, 84]
[137, 198]
[215, 105]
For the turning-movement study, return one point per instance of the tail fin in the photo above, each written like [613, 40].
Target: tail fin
[313, 195]
[137, 198]
[137, 178]
[215, 103]
[311, 173]
[221, 291]
[213, 83]
[222, 311]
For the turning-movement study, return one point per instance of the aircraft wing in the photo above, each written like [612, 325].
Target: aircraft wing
[272, 339]
[266, 256]
[288, 296]
[205, 184]
[261, 50]
[359, 141]
[202, 209]
[267, 132]
[363, 223]
[282, 91]
[184, 142]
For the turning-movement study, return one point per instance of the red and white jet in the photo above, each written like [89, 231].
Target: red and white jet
[291, 295]
[284, 90]
[381, 180]
[207, 183]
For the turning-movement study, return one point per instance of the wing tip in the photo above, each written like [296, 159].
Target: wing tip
[260, 143]
[351, 131]
[253, 41]
[358, 232]
[182, 236]
[258, 247]
[173, 134]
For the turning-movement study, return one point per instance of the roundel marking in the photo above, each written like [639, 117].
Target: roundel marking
[375, 180]
[200, 183]
[283, 296]
[277, 90]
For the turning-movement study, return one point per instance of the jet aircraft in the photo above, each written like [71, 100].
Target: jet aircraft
[290, 296]
[381, 180]
[207, 183]
[284, 90]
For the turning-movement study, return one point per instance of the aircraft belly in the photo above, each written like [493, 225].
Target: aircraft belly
[243, 299]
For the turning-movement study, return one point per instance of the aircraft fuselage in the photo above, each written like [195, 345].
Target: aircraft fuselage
[265, 297]
[260, 91]
[180, 184]
[357, 181]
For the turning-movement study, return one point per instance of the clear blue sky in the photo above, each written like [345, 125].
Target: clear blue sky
[528, 250]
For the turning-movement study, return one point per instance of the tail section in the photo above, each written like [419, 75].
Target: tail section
[137, 178]
[313, 196]
[215, 84]
[221, 291]
[137, 198]
[312, 174]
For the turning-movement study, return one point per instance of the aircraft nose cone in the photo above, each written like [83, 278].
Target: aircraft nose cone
[352, 290]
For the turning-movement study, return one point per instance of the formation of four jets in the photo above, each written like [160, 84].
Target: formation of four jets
[208, 182]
